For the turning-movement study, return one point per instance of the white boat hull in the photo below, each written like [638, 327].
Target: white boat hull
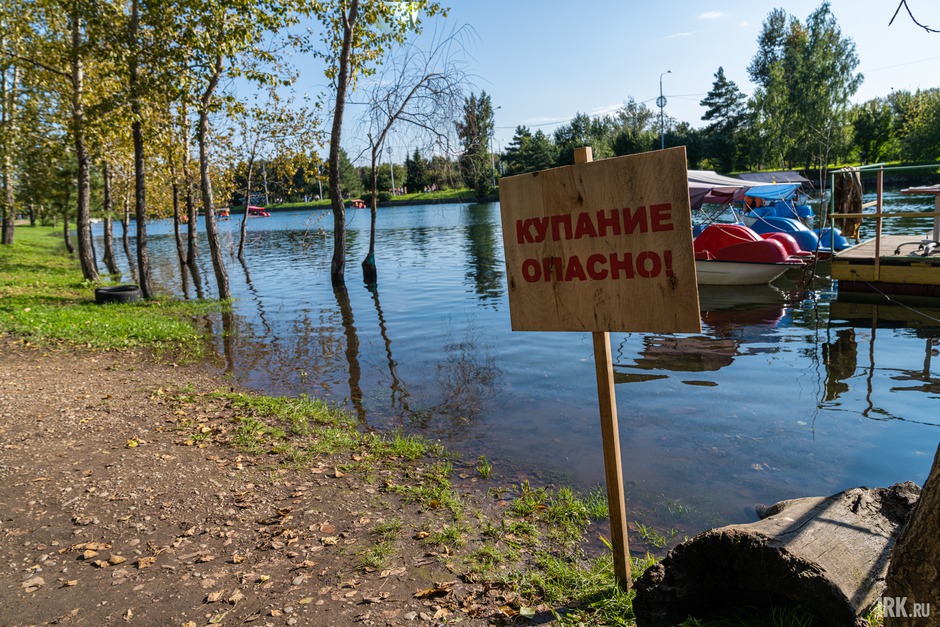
[714, 272]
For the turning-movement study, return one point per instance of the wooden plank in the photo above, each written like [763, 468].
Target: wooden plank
[908, 275]
[601, 246]
[613, 468]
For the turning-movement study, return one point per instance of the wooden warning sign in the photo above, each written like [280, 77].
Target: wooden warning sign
[601, 246]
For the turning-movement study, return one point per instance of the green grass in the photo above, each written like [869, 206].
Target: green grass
[45, 300]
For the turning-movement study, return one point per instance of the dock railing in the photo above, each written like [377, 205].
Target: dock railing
[879, 215]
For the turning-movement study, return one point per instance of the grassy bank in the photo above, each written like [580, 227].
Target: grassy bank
[526, 541]
[45, 300]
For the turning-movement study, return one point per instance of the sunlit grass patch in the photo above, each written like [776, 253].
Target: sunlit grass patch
[44, 299]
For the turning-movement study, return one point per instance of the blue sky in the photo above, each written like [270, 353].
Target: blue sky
[543, 61]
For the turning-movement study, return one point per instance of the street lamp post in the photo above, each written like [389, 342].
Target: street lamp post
[391, 167]
[661, 103]
[492, 154]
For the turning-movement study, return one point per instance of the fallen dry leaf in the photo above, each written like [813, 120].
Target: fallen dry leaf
[146, 562]
[439, 589]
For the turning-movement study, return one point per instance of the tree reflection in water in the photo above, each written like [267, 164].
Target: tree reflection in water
[400, 394]
[466, 377]
[352, 350]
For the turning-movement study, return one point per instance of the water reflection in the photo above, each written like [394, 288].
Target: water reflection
[352, 350]
[840, 358]
[686, 354]
[399, 393]
[484, 252]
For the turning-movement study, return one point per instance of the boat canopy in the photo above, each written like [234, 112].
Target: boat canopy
[783, 191]
[709, 186]
[781, 176]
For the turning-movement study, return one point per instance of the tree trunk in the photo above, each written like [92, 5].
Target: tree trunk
[192, 242]
[65, 230]
[177, 234]
[338, 263]
[8, 128]
[244, 226]
[215, 250]
[125, 239]
[827, 554]
[914, 572]
[140, 169]
[82, 217]
[370, 274]
[109, 260]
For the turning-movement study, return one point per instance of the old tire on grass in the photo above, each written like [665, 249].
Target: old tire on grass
[117, 294]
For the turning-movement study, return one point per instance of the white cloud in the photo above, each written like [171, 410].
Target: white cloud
[710, 15]
[743, 24]
[674, 35]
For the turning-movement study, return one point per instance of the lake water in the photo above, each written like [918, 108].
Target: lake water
[783, 394]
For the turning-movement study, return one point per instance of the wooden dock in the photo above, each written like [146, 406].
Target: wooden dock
[902, 266]
[874, 267]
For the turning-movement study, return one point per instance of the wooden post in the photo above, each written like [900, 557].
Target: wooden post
[610, 435]
[880, 209]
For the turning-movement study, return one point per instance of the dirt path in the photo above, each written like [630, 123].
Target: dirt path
[107, 517]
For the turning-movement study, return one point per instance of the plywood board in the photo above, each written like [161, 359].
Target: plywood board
[602, 246]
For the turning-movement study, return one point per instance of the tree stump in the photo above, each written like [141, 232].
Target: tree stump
[914, 572]
[827, 554]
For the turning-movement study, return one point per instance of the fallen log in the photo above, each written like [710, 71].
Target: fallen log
[826, 554]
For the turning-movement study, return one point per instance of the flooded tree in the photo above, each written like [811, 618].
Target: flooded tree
[357, 34]
[421, 89]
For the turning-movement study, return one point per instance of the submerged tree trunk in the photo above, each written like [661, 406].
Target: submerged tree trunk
[215, 251]
[192, 242]
[338, 263]
[109, 260]
[827, 554]
[370, 274]
[244, 226]
[914, 572]
[177, 235]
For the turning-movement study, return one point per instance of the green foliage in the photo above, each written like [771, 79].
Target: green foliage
[475, 132]
[805, 75]
[528, 152]
[919, 125]
[350, 182]
[417, 175]
[725, 112]
[583, 130]
[873, 125]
